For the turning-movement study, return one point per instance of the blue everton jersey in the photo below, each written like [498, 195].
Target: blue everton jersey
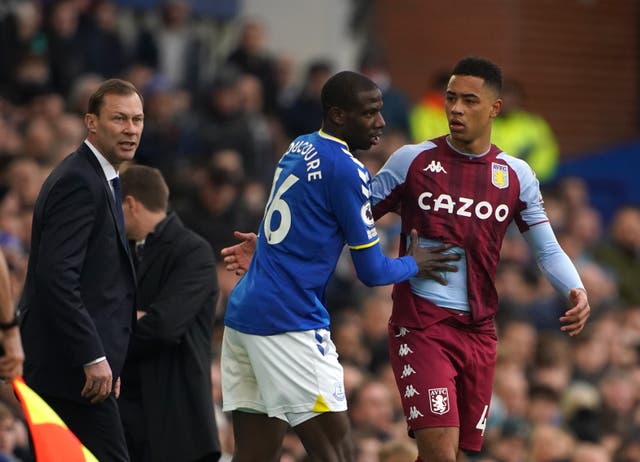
[319, 201]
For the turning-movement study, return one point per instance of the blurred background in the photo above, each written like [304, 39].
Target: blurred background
[227, 85]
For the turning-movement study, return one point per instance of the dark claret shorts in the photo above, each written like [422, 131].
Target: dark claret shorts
[445, 375]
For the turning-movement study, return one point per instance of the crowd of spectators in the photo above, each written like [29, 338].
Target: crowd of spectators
[220, 108]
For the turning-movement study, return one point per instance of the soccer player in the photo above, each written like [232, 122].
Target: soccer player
[461, 189]
[279, 365]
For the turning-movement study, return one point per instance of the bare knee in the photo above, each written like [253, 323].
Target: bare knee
[327, 437]
[258, 438]
[438, 444]
[444, 456]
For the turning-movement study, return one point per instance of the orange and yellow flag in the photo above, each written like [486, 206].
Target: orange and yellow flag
[52, 439]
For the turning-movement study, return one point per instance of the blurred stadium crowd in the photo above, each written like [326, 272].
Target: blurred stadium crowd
[220, 108]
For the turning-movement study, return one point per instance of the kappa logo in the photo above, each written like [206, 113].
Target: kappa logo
[402, 331]
[404, 350]
[410, 391]
[434, 167]
[414, 413]
[439, 400]
[407, 371]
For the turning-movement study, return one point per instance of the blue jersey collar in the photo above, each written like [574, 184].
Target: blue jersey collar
[324, 134]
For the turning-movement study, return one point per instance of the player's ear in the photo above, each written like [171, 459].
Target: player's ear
[336, 115]
[90, 120]
[496, 107]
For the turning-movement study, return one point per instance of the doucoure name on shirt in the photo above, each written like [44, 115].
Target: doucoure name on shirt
[310, 156]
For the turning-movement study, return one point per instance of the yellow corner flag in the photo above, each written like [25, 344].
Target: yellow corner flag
[52, 439]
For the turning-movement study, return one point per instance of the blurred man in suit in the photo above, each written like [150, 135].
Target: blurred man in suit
[167, 405]
[78, 301]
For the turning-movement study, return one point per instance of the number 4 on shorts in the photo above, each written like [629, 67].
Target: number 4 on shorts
[482, 423]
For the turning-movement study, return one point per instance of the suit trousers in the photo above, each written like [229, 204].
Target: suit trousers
[135, 428]
[97, 426]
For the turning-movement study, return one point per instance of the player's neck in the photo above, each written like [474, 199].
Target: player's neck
[477, 147]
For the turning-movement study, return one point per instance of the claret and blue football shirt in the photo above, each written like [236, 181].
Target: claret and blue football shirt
[469, 201]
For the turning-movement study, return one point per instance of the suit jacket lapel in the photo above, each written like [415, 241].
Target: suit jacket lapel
[86, 152]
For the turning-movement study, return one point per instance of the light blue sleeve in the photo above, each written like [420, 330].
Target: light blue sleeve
[552, 260]
[534, 213]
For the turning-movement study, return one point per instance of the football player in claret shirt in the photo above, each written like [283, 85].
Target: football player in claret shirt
[461, 189]
[279, 365]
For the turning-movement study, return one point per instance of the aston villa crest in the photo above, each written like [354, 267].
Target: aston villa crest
[439, 400]
[499, 175]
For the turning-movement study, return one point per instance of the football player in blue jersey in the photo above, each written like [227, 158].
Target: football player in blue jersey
[279, 364]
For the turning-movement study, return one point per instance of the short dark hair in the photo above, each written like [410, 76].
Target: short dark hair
[146, 185]
[117, 86]
[341, 90]
[480, 67]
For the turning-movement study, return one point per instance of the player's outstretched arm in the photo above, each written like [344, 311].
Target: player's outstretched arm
[238, 257]
[576, 316]
[431, 261]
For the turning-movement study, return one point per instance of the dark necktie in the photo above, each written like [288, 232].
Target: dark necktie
[139, 250]
[115, 182]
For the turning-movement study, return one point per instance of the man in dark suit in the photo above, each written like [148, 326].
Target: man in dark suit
[77, 308]
[166, 403]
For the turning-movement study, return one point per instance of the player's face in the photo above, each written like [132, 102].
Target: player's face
[471, 106]
[364, 124]
[116, 130]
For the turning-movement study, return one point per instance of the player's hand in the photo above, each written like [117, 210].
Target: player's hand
[238, 257]
[116, 388]
[576, 316]
[13, 358]
[432, 262]
[99, 382]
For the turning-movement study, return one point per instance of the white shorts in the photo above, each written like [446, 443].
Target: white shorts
[293, 376]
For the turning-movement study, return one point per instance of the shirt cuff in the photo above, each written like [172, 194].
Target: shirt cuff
[96, 361]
